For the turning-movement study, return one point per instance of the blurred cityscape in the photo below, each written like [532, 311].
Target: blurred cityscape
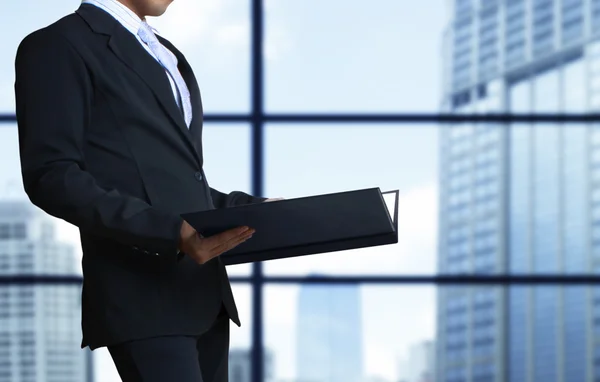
[518, 198]
[40, 328]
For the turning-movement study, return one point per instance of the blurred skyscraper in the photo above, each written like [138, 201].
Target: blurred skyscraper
[421, 362]
[40, 328]
[240, 369]
[521, 198]
[329, 335]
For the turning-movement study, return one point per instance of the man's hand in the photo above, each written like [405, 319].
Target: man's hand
[202, 249]
[273, 199]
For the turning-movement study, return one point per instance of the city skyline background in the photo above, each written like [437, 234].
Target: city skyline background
[39, 326]
[302, 74]
[329, 334]
[320, 57]
[519, 198]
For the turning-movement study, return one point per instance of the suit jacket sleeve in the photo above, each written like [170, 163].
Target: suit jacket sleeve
[235, 198]
[54, 95]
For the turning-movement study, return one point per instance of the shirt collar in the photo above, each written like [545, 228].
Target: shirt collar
[121, 13]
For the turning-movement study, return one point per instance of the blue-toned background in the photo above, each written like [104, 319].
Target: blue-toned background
[476, 198]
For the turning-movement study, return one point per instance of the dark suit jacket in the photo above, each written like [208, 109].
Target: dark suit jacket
[104, 146]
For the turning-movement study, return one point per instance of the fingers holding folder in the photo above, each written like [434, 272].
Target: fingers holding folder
[202, 249]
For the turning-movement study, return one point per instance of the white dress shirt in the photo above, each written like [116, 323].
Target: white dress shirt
[132, 23]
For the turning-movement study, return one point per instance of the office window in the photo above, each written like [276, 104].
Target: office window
[595, 5]
[227, 165]
[341, 332]
[19, 231]
[357, 320]
[572, 21]
[354, 157]
[4, 231]
[215, 39]
[352, 56]
[479, 199]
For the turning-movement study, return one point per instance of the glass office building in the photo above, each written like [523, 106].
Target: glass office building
[329, 334]
[39, 324]
[520, 198]
[240, 365]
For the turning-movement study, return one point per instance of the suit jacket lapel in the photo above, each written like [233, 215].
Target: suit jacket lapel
[190, 80]
[128, 49]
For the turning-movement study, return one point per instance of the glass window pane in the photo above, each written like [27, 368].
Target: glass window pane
[11, 184]
[304, 160]
[227, 165]
[469, 175]
[409, 56]
[227, 156]
[213, 36]
[353, 56]
[40, 330]
[344, 332]
[471, 333]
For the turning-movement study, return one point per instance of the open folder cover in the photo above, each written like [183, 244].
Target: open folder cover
[305, 226]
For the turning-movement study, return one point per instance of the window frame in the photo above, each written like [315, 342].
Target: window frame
[257, 118]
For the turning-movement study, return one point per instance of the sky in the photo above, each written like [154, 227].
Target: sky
[334, 56]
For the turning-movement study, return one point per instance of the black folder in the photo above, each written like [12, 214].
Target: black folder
[305, 226]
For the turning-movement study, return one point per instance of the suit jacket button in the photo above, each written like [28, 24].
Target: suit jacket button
[198, 175]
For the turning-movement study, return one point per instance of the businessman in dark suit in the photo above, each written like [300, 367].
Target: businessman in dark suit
[110, 136]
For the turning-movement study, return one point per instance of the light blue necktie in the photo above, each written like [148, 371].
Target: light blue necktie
[170, 64]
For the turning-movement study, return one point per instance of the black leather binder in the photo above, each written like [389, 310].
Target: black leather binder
[305, 226]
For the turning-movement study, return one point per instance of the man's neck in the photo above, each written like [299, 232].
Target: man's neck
[128, 4]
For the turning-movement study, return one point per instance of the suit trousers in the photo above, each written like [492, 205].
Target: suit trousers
[203, 358]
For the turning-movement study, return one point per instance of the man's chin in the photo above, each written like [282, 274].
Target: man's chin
[159, 10]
